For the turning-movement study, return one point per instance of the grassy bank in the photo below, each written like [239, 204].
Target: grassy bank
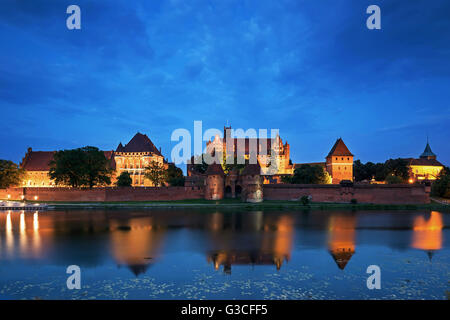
[234, 203]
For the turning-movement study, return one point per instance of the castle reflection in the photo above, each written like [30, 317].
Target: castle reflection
[139, 239]
[428, 233]
[254, 239]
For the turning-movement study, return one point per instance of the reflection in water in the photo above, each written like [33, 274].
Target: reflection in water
[9, 235]
[135, 245]
[341, 238]
[428, 233]
[135, 238]
[251, 240]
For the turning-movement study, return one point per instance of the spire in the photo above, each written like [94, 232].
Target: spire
[427, 153]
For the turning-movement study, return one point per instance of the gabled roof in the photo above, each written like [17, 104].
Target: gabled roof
[427, 152]
[339, 149]
[37, 160]
[424, 162]
[139, 143]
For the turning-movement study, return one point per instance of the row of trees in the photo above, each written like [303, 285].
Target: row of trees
[88, 167]
[308, 174]
[391, 171]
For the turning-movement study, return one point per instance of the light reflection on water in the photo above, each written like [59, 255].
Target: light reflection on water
[175, 247]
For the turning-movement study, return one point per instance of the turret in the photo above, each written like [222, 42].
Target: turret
[214, 183]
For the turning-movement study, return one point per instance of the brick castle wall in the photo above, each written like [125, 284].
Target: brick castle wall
[105, 194]
[377, 194]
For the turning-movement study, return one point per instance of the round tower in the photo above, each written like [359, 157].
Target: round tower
[214, 183]
[252, 183]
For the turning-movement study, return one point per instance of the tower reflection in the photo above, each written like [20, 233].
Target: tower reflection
[427, 233]
[136, 244]
[341, 238]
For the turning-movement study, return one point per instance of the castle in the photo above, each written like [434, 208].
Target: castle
[426, 167]
[261, 148]
[137, 154]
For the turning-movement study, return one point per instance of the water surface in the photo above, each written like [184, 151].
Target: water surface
[207, 254]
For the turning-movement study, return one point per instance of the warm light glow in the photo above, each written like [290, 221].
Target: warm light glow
[22, 222]
[411, 180]
[35, 197]
[341, 238]
[35, 221]
[22, 196]
[428, 233]
[8, 221]
[9, 235]
[9, 196]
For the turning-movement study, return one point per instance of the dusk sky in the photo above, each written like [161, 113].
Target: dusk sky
[309, 68]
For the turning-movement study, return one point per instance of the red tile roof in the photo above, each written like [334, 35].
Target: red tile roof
[339, 149]
[424, 162]
[139, 143]
[39, 160]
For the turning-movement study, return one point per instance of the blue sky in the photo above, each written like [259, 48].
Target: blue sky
[310, 68]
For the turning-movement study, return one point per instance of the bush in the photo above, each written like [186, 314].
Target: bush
[124, 179]
[305, 200]
[353, 201]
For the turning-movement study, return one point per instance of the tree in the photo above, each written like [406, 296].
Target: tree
[397, 167]
[124, 179]
[80, 167]
[199, 163]
[308, 174]
[156, 173]
[441, 186]
[393, 179]
[175, 176]
[10, 174]
[380, 171]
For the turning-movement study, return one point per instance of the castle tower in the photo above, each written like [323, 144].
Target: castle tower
[252, 183]
[339, 162]
[215, 182]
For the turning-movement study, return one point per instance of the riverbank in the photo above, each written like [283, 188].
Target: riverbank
[234, 203]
